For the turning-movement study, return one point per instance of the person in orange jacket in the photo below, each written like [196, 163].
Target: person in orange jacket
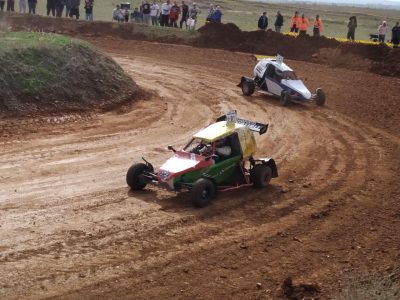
[304, 24]
[294, 23]
[318, 26]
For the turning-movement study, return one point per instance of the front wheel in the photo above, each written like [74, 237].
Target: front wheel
[260, 175]
[202, 192]
[286, 98]
[248, 87]
[320, 100]
[134, 176]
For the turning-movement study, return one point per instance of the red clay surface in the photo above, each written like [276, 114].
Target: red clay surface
[71, 229]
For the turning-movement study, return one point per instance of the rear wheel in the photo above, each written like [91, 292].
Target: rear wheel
[320, 100]
[134, 176]
[285, 98]
[202, 192]
[260, 175]
[248, 87]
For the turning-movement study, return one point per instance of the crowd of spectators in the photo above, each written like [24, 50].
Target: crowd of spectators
[301, 24]
[167, 14]
[54, 8]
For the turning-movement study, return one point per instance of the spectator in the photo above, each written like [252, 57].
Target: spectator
[135, 16]
[74, 8]
[263, 21]
[396, 35]
[352, 25]
[164, 16]
[185, 14]
[125, 12]
[146, 10]
[51, 7]
[174, 13]
[194, 11]
[32, 6]
[154, 11]
[10, 5]
[2, 2]
[67, 7]
[217, 15]
[89, 10]
[278, 22]
[141, 12]
[303, 24]
[318, 26]
[210, 13]
[382, 30]
[59, 7]
[22, 6]
[118, 14]
[294, 23]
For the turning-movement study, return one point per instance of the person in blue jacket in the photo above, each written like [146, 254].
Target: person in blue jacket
[278, 21]
[217, 15]
[263, 21]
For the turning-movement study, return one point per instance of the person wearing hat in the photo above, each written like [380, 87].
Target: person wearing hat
[382, 30]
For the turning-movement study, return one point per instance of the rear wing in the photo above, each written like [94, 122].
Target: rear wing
[261, 57]
[278, 58]
[253, 126]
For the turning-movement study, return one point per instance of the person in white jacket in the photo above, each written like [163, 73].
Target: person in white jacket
[22, 6]
[164, 14]
[154, 11]
[382, 30]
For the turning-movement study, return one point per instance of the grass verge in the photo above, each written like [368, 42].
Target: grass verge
[44, 72]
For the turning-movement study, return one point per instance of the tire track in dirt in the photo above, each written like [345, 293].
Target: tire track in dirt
[95, 238]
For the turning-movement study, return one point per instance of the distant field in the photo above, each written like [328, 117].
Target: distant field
[245, 14]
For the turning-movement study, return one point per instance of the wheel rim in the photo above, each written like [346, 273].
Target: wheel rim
[205, 194]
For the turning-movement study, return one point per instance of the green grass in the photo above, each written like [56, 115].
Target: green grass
[246, 13]
[50, 73]
[9, 40]
[32, 71]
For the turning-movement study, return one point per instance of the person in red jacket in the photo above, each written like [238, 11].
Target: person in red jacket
[294, 22]
[318, 26]
[174, 15]
[303, 24]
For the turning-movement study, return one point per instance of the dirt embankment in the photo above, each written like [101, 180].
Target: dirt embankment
[48, 73]
[379, 59]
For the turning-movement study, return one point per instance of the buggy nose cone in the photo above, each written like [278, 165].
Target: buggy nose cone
[298, 86]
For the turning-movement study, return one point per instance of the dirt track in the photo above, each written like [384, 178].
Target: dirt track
[70, 227]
